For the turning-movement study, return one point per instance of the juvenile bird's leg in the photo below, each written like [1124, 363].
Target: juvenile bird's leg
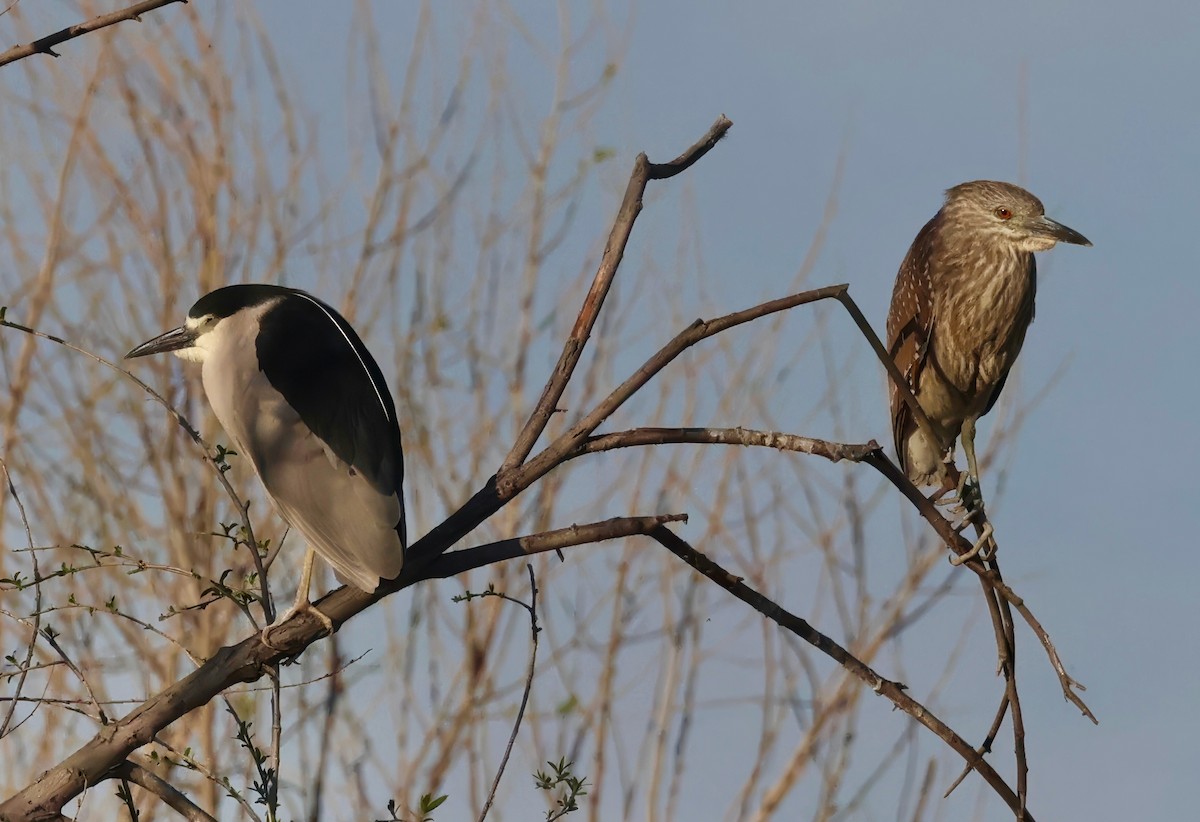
[985, 540]
[302, 603]
[968, 441]
[951, 492]
[973, 503]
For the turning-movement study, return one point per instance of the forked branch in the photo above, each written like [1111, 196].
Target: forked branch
[427, 558]
[614, 250]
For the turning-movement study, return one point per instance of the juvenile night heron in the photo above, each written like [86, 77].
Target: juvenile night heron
[301, 397]
[960, 308]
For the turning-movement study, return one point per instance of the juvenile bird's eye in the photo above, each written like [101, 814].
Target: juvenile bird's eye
[1003, 213]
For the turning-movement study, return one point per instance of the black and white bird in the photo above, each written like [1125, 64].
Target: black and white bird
[301, 397]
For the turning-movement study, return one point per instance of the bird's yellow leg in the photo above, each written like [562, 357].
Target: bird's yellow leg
[968, 441]
[985, 540]
[974, 503]
[302, 603]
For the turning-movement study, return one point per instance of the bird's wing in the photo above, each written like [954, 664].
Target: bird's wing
[352, 413]
[910, 328]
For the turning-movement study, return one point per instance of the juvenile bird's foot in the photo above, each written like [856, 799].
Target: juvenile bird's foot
[951, 494]
[298, 608]
[972, 511]
[985, 541]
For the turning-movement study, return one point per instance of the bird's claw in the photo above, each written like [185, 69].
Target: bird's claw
[985, 540]
[307, 607]
[967, 504]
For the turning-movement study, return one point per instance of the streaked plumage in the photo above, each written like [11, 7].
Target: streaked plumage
[963, 300]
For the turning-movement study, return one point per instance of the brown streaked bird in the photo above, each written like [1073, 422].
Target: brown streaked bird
[962, 303]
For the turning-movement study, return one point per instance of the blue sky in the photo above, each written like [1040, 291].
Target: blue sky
[918, 97]
[1095, 107]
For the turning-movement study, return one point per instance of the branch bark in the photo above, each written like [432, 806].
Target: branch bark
[171, 796]
[249, 660]
[614, 250]
[893, 691]
[45, 45]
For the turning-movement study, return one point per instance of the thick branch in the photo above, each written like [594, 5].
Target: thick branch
[614, 250]
[456, 562]
[164, 790]
[45, 45]
[893, 691]
[250, 659]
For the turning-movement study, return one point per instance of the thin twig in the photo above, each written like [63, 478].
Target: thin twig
[45, 45]
[194, 764]
[512, 737]
[272, 798]
[207, 451]
[37, 606]
[959, 544]
[325, 747]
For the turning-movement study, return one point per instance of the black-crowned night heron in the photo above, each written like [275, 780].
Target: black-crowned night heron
[301, 397]
[960, 308]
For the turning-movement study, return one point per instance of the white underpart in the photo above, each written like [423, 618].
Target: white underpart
[925, 462]
[347, 522]
[1036, 242]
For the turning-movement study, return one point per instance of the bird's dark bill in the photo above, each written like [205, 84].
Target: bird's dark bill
[173, 340]
[1063, 234]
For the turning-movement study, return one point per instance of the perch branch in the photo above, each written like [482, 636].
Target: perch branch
[250, 659]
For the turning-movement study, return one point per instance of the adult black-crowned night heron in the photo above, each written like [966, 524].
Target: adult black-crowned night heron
[301, 397]
[962, 303]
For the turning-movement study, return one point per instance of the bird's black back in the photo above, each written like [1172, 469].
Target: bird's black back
[314, 358]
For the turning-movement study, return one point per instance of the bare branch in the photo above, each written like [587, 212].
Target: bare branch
[512, 737]
[832, 451]
[168, 793]
[614, 250]
[456, 562]
[45, 45]
[893, 691]
[555, 453]
[931, 429]
[250, 660]
[990, 574]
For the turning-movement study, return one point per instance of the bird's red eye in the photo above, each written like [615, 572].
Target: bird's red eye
[1003, 213]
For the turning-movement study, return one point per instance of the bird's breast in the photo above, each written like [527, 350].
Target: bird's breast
[982, 320]
[254, 415]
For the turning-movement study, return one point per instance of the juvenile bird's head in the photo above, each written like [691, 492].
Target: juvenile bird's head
[1003, 213]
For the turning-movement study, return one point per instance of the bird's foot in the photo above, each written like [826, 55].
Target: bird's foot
[984, 547]
[265, 636]
[951, 494]
[973, 513]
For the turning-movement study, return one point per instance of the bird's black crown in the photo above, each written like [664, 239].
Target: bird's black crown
[227, 301]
